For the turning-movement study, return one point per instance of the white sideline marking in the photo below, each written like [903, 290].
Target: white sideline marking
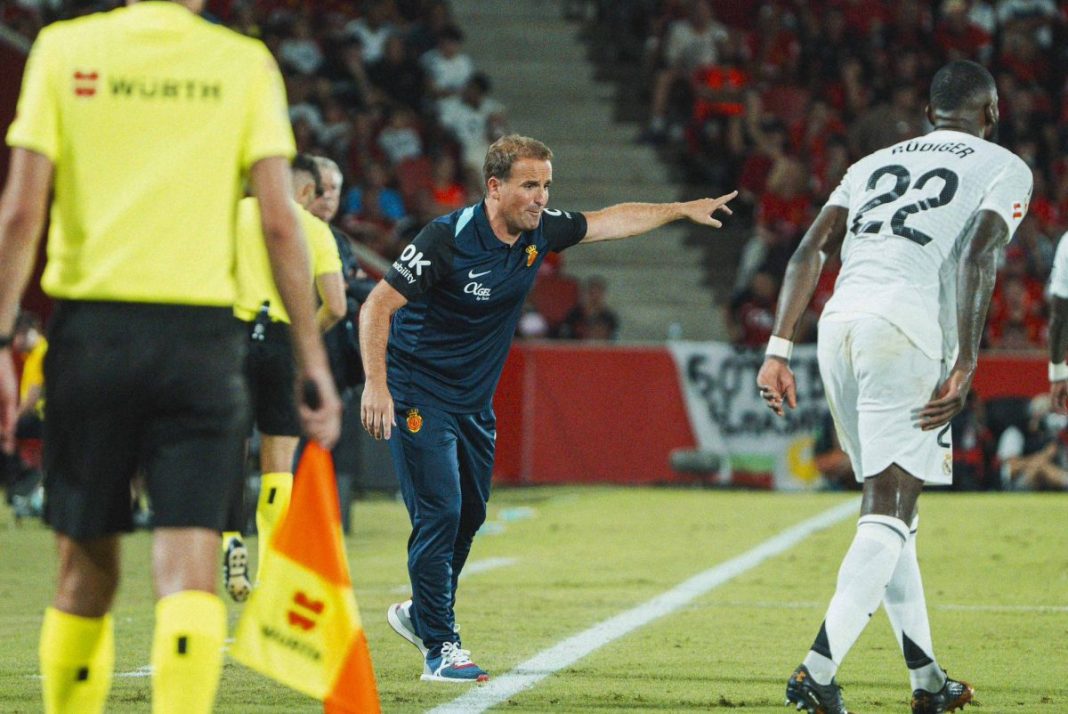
[145, 671]
[479, 566]
[571, 650]
[813, 604]
[1004, 608]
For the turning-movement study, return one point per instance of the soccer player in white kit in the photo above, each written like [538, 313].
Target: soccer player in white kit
[1058, 328]
[919, 225]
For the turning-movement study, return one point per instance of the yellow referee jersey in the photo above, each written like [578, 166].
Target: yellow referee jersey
[255, 281]
[151, 117]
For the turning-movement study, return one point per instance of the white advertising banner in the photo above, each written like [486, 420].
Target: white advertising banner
[729, 418]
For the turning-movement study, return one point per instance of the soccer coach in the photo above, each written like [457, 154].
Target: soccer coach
[457, 293]
[143, 121]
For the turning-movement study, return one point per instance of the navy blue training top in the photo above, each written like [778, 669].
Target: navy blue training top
[465, 290]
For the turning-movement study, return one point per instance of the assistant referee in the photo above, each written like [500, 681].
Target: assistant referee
[270, 367]
[143, 122]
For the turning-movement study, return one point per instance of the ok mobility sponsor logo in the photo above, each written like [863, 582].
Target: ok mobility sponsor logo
[410, 264]
[86, 83]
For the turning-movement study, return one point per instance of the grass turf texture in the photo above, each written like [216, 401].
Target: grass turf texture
[990, 562]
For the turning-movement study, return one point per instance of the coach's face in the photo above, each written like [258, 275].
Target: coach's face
[524, 194]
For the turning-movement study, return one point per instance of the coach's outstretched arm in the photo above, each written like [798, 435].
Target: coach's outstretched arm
[631, 219]
[984, 235]
[824, 237]
[376, 406]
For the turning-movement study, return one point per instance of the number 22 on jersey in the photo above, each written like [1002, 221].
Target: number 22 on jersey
[902, 180]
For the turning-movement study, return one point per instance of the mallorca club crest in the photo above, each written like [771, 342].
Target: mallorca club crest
[532, 255]
[415, 421]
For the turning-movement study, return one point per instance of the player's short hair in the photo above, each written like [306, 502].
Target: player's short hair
[305, 163]
[959, 84]
[507, 150]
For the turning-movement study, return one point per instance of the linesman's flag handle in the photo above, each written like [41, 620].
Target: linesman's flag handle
[301, 625]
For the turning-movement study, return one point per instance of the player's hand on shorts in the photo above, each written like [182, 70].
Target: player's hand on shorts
[376, 410]
[949, 401]
[703, 210]
[776, 384]
[8, 397]
[320, 407]
[1058, 396]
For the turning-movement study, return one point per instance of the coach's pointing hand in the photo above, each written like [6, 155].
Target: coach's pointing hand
[703, 210]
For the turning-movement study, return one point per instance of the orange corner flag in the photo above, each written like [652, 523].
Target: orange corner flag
[301, 626]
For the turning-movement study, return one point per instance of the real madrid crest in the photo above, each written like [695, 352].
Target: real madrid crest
[532, 255]
[415, 421]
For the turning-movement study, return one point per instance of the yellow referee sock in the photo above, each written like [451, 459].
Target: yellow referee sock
[275, 492]
[77, 658]
[187, 652]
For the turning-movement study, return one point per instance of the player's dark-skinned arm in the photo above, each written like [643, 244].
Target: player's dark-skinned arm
[288, 253]
[824, 237]
[1058, 344]
[23, 207]
[630, 219]
[984, 235]
[376, 405]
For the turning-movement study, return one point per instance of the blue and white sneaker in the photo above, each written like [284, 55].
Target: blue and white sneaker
[400, 619]
[454, 665]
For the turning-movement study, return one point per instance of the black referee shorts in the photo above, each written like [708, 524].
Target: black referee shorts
[271, 371]
[147, 388]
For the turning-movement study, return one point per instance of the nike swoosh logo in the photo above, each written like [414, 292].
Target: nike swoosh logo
[473, 274]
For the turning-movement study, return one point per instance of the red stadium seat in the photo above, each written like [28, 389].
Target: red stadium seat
[554, 296]
[414, 176]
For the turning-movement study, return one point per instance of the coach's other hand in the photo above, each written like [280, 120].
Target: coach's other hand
[776, 384]
[376, 410]
[703, 210]
[320, 408]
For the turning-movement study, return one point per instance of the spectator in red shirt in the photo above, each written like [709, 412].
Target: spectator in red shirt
[752, 312]
[958, 37]
[1015, 320]
[688, 44]
[448, 193]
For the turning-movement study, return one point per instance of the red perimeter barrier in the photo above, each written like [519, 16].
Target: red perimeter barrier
[574, 413]
[579, 413]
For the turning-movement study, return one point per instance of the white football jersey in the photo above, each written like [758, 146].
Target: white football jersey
[1058, 277]
[908, 206]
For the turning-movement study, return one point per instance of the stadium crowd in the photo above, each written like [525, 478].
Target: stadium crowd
[385, 89]
[779, 101]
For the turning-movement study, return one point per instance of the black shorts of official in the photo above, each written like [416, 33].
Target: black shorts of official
[271, 371]
[142, 388]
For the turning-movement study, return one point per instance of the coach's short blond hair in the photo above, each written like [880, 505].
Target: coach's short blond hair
[507, 150]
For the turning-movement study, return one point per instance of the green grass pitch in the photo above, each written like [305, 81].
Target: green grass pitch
[995, 570]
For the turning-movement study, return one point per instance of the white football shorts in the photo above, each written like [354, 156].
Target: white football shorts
[874, 378]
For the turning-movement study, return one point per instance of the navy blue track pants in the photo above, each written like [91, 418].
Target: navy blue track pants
[444, 463]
